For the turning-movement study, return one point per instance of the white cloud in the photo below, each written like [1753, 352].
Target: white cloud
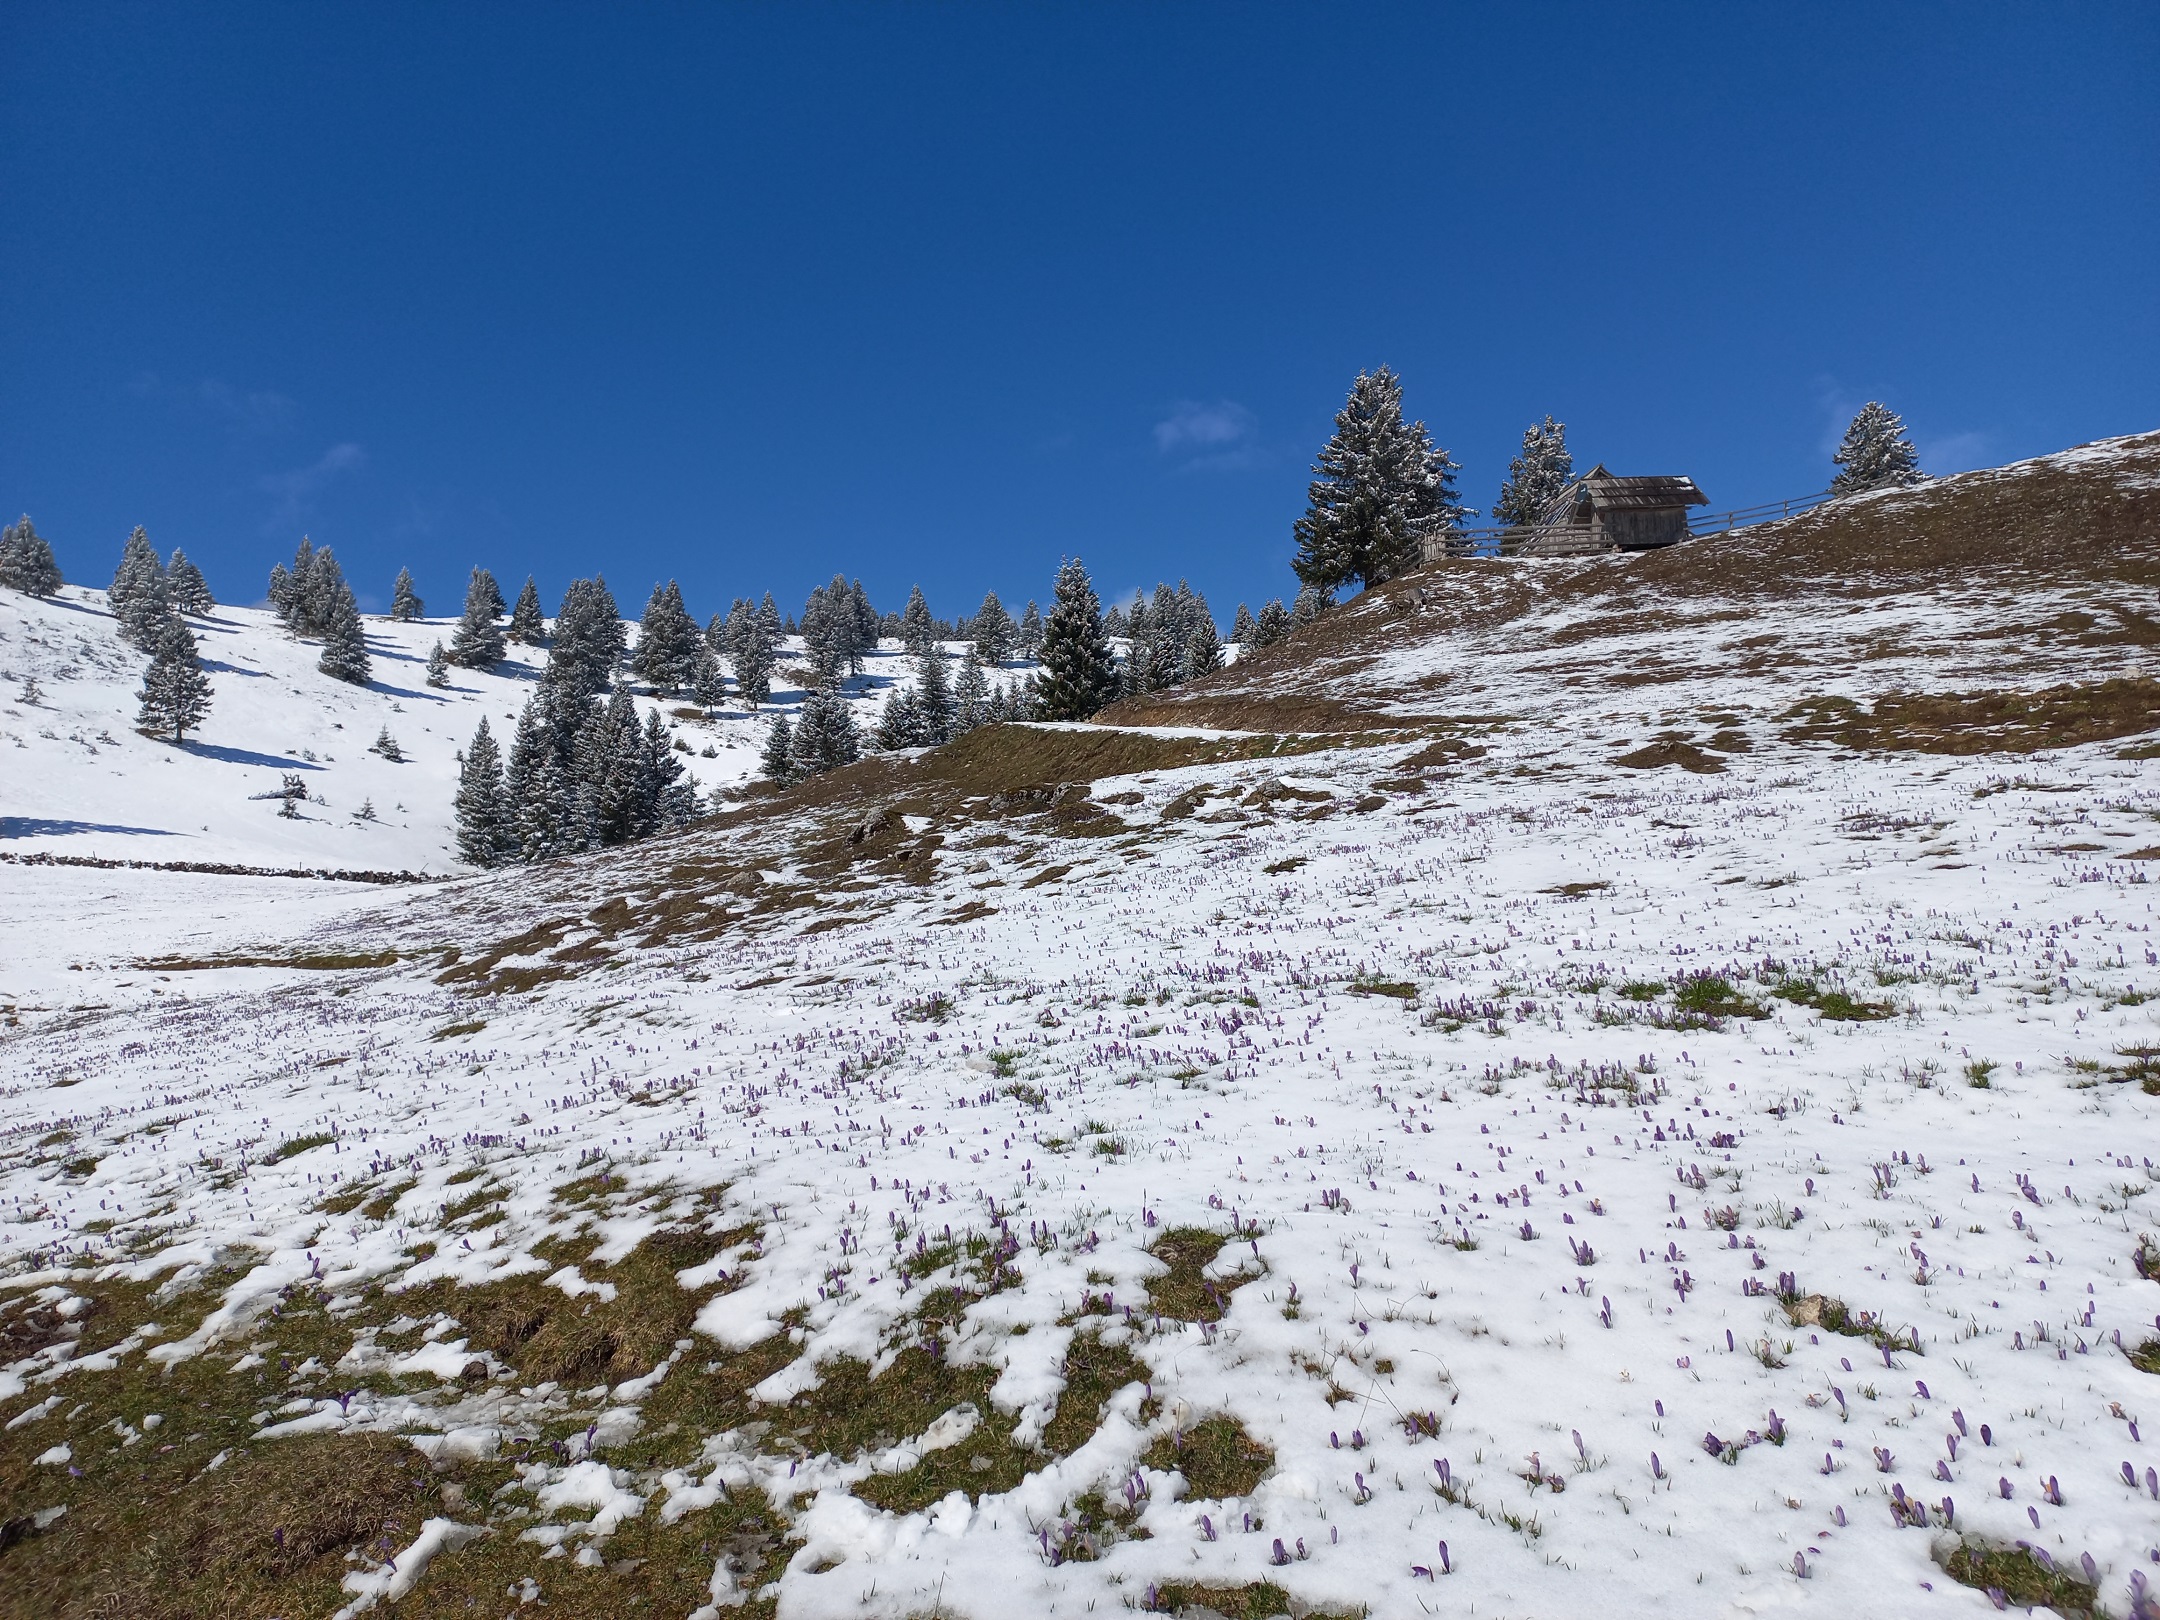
[1192, 426]
[296, 489]
[260, 410]
[1953, 453]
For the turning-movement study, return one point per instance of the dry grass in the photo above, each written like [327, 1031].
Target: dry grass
[1982, 722]
[1217, 1457]
[2020, 1578]
[1182, 1291]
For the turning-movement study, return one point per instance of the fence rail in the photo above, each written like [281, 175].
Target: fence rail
[1741, 517]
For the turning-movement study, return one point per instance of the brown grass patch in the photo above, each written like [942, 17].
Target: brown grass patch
[1982, 722]
[1672, 752]
[1216, 1456]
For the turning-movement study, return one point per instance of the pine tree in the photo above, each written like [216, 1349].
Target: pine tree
[175, 691]
[528, 625]
[1311, 602]
[1272, 625]
[1031, 630]
[537, 791]
[588, 640]
[1242, 628]
[866, 625]
[751, 654]
[900, 724]
[934, 694]
[26, 561]
[185, 586]
[345, 654]
[778, 760]
[438, 667]
[1380, 490]
[668, 798]
[1876, 454]
[478, 640]
[484, 828]
[768, 612]
[1203, 650]
[971, 695]
[405, 603]
[825, 735]
[917, 629]
[1536, 477]
[140, 594]
[828, 634]
[387, 746]
[322, 598]
[708, 686]
[666, 656]
[1079, 675]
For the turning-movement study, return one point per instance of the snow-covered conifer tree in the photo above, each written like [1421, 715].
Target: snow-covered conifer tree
[345, 653]
[186, 588]
[1242, 627]
[588, 640]
[175, 692]
[752, 655]
[778, 759]
[483, 825]
[1876, 453]
[1536, 476]
[405, 603]
[971, 695]
[438, 667]
[708, 685]
[26, 561]
[140, 593]
[478, 641]
[993, 630]
[1079, 675]
[825, 735]
[933, 692]
[1029, 643]
[1379, 490]
[1272, 625]
[1203, 649]
[666, 656]
[1311, 602]
[537, 791]
[528, 625]
[917, 629]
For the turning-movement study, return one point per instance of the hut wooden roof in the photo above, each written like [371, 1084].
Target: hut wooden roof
[1610, 492]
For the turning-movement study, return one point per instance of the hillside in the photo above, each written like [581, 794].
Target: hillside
[82, 782]
[1638, 1068]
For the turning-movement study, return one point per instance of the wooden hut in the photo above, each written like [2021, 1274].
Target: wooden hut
[1600, 512]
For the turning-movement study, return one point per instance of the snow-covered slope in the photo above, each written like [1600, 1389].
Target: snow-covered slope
[1450, 1167]
[77, 779]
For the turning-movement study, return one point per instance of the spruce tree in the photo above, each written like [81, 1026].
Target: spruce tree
[26, 561]
[528, 625]
[536, 788]
[345, 653]
[708, 686]
[778, 760]
[139, 596]
[670, 797]
[1203, 650]
[484, 828]
[751, 654]
[588, 640]
[322, 599]
[768, 613]
[666, 656]
[1380, 489]
[175, 691]
[1876, 454]
[405, 603]
[917, 629]
[1031, 630]
[438, 667]
[900, 723]
[825, 735]
[1536, 477]
[185, 586]
[866, 625]
[1079, 674]
[1272, 625]
[934, 694]
[971, 695]
[1242, 628]
[478, 640]
[1311, 602]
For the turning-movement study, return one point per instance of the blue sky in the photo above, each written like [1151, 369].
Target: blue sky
[744, 295]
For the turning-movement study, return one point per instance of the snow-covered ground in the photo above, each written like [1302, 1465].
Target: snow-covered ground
[1176, 998]
[1517, 1086]
[77, 779]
